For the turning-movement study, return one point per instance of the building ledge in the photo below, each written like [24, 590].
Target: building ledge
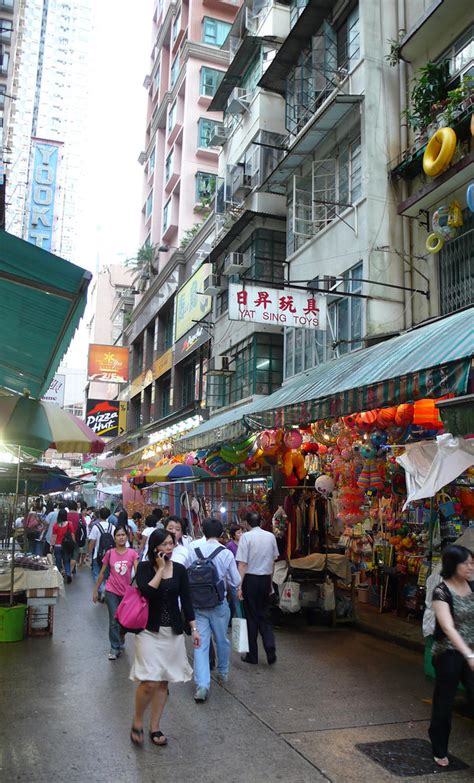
[236, 229]
[438, 16]
[432, 193]
[234, 74]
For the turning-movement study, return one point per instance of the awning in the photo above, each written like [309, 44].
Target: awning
[43, 298]
[300, 35]
[438, 16]
[429, 361]
[332, 112]
[235, 72]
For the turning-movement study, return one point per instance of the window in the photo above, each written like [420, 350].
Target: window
[168, 166]
[214, 31]
[461, 54]
[456, 269]
[156, 80]
[266, 250]
[348, 41]
[205, 131]
[166, 323]
[166, 215]
[205, 186]
[151, 162]
[171, 117]
[3, 90]
[174, 71]
[165, 397]
[188, 382]
[222, 302]
[6, 29]
[307, 348]
[176, 26]
[149, 205]
[210, 80]
[257, 368]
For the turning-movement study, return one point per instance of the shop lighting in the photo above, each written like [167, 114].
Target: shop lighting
[223, 510]
[175, 429]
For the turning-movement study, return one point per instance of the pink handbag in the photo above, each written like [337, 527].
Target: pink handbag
[132, 612]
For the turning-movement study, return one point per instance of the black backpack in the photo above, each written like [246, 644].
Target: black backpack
[68, 543]
[106, 542]
[81, 535]
[206, 587]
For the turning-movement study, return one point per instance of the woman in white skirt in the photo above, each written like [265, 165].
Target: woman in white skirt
[160, 653]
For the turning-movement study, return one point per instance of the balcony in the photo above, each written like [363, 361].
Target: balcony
[456, 269]
[6, 29]
[440, 15]
[222, 5]
[7, 5]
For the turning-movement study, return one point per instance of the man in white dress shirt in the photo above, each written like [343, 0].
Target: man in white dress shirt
[255, 557]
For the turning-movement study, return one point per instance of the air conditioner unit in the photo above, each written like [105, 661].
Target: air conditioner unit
[219, 136]
[142, 158]
[238, 101]
[242, 186]
[221, 365]
[235, 263]
[147, 81]
[212, 285]
[251, 21]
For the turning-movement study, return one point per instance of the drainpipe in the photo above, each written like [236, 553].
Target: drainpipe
[405, 222]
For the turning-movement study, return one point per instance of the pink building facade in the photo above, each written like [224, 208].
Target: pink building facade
[179, 162]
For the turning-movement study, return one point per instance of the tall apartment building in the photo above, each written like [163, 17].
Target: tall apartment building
[45, 128]
[335, 155]
[168, 348]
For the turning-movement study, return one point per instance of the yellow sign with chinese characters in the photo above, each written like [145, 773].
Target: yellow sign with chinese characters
[163, 363]
[191, 304]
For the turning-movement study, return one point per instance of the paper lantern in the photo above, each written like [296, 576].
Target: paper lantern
[386, 417]
[267, 440]
[366, 420]
[292, 439]
[427, 414]
[324, 485]
[404, 414]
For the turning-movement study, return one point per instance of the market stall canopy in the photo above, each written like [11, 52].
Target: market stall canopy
[429, 361]
[43, 298]
[431, 465]
[40, 477]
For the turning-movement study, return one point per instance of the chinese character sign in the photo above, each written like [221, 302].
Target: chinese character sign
[191, 304]
[108, 363]
[287, 307]
[55, 393]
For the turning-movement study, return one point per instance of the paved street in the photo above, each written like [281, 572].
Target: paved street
[67, 710]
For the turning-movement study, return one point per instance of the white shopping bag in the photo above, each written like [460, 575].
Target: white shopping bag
[328, 596]
[290, 597]
[240, 637]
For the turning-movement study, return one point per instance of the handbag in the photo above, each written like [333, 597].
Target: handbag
[240, 636]
[132, 612]
[290, 597]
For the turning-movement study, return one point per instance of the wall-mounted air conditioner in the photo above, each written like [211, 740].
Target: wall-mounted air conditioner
[221, 365]
[239, 101]
[212, 285]
[220, 135]
[236, 263]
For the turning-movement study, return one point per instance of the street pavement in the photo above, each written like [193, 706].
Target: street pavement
[66, 710]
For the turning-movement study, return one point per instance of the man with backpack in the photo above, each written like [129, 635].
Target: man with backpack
[101, 539]
[212, 571]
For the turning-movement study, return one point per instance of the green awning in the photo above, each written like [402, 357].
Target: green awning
[429, 361]
[42, 300]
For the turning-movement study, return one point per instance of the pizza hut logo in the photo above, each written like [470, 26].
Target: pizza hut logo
[102, 417]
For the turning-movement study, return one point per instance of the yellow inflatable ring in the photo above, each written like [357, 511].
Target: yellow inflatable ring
[434, 243]
[439, 152]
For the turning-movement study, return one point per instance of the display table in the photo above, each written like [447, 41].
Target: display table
[337, 565]
[42, 590]
[26, 580]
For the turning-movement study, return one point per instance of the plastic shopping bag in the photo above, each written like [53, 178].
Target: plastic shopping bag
[290, 597]
[240, 637]
[328, 595]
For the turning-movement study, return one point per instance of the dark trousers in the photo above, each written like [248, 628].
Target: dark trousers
[451, 668]
[256, 592]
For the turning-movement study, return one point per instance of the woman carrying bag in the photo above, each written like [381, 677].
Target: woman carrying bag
[453, 647]
[63, 542]
[160, 653]
[120, 563]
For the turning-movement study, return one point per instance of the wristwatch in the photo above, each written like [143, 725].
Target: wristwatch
[470, 656]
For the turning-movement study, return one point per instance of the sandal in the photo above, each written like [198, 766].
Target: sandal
[158, 735]
[443, 763]
[136, 736]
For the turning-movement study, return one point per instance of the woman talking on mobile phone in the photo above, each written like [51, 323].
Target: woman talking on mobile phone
[160, 653]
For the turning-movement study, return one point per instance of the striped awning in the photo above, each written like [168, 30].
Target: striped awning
[430, 361]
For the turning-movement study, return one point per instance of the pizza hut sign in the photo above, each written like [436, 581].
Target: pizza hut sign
[283, 307]
[102, 417]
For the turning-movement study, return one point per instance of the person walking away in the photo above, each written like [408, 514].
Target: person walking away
[235, 532]
[75, 518]
[160, 653]
[453, 647]
[100, 540]
[210, 604]
[256, 554]
[50, 519]
[63, 543]
[181, 553]
[120, 563]
[137, 521]
[35, 527]
[150, 527]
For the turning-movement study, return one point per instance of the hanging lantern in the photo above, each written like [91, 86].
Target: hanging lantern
[427, 414]
[386, 417]
[366, 420]
[292, 439]
[404, 414]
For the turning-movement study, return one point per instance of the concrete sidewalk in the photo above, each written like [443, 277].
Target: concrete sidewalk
[67, 710]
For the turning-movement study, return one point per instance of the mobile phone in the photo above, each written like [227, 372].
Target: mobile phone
[166, 557]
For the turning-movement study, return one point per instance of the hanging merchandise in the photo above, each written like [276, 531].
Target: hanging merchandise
[470, 196]
[279, 523]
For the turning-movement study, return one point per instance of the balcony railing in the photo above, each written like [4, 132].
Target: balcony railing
[456, 270]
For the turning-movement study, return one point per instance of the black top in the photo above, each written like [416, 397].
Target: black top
[163, 602]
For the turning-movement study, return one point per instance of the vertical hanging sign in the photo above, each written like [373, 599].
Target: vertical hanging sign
[44, 162]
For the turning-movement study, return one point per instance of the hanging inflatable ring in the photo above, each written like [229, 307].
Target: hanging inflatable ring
[470, 196]
[439, 152]
[434, 243]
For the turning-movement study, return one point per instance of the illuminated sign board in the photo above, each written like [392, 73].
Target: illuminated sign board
[45, 160]
[107, 363]
[287, 307]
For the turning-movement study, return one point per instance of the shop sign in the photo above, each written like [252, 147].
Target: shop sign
[102, 416]
[122, 422]
[55, 393]
[163, 363]
[45, 158]
[191, 304]
[284, 307]
[107, 363]
[190, 342]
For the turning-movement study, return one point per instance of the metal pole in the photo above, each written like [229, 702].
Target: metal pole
[12, 570]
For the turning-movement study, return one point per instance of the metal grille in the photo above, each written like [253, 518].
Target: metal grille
[456, 269]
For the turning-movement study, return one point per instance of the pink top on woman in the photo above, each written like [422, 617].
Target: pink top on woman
[120, 566]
